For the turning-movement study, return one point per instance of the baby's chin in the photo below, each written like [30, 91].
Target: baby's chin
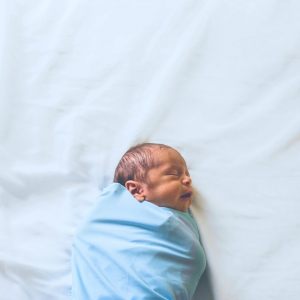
[182, 205]
[181, 208]
[185, 207]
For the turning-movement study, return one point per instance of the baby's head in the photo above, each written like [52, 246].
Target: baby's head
[156, 173]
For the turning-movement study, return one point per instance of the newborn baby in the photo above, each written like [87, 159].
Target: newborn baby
[156, 173]
[139, 240]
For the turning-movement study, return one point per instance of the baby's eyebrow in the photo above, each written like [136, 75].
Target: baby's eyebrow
[174, 167]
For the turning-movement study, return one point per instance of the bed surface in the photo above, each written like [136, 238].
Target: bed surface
[82, 81]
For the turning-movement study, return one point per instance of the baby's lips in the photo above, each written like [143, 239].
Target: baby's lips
[188, 194]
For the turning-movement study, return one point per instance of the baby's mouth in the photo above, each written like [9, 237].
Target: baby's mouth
[187, 195]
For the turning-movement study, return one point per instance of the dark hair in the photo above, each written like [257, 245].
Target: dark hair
[136, 162]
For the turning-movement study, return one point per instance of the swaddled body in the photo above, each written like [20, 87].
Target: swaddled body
[139, 241]
[124, 249]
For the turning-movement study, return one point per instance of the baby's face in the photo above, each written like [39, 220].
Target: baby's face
[169, 184]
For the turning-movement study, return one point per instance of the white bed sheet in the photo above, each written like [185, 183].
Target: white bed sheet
[82, 81]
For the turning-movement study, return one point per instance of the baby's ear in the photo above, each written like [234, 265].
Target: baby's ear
[135, 189]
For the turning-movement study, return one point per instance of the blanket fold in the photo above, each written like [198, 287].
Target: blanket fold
[125, 249]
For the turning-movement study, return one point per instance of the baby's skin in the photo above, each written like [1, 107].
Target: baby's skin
[168, 184]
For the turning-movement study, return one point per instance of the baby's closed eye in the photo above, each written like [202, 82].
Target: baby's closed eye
[173, 173]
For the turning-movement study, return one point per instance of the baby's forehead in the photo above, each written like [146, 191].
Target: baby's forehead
[168, 158]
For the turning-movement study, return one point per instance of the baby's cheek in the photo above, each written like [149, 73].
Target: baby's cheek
[172, 189]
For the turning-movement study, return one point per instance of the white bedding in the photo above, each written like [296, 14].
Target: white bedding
[82, 81]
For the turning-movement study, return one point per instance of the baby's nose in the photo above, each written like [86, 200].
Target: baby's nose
[187, 180]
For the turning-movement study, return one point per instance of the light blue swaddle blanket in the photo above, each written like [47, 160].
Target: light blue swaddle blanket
[125, 249]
